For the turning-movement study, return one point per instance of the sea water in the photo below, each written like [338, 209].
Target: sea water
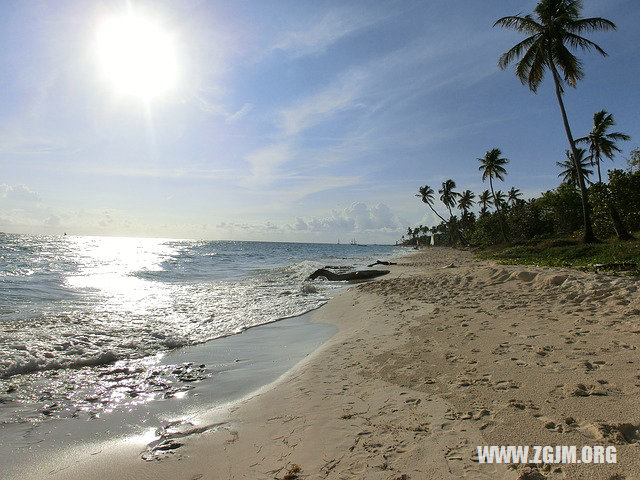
[83, 320]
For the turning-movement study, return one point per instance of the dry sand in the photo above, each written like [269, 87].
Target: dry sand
[430, 362]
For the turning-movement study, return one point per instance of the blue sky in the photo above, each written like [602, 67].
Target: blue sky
[289, 120]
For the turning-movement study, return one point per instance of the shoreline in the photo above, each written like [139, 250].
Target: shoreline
[238, 366]
[427, 363]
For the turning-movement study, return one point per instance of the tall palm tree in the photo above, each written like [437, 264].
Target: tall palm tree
[484, 200]
[448, 196]
[569, 173]
[514, 195]
[492, 166]
[600, 142]
[426, 194]
[557, 25]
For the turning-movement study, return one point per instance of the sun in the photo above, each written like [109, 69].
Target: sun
[136, 56]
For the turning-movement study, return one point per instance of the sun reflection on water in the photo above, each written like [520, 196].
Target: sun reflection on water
[109, 266]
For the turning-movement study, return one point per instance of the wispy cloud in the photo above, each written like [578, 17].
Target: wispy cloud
[265, 162]
[234, 117]
[26, 145]
[315, 38]
[322, 106]
[216, 109]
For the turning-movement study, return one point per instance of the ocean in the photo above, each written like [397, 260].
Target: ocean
[81, 317]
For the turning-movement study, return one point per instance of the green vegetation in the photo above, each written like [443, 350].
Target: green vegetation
[545, 230]
[568, 252]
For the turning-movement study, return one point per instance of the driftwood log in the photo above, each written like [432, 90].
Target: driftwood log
[357, 275]
[381, 262]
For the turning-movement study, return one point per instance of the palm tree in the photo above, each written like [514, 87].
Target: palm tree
[484, 200]
[449, 197]
[600, 142]
[466, 201]
[603, 143]
[558, 25]
[426, 194]
[492, 166]
[569, 174]
[500, 199]
[514, 195]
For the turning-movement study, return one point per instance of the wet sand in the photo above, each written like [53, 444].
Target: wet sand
[444, 354]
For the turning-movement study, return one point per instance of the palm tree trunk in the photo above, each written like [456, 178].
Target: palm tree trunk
[498, 209]
[588, 237]
[439, 216]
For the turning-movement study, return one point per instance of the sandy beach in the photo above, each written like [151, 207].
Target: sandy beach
[444, 354]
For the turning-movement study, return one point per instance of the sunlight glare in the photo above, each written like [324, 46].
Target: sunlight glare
[136, 56]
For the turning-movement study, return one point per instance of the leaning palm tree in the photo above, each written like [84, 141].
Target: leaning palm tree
[484, 200]
[466, 201]
[569, 174]
[426, 195]
[600, 142]
[557, 25]
[514, 195]
[492, 166]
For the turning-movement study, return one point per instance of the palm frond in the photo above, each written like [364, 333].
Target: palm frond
[576, 41]
[519, 23]
[591, 25]
[516, 51]
[569, 64]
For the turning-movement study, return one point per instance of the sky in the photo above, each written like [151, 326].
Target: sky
[283, 120]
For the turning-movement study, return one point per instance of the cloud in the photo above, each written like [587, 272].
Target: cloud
[52, 221]
[357, 217]
[23, 145]
[18, 193]
[215, 109]
[322, 106]
[265, 161]
[315, 38]
[234, 117]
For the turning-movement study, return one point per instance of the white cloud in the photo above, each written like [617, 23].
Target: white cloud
[18, 193]
[16, 144]
[216, 109]
[234, 117]
[314, 38]
[265, 161]
[315, 109]
[357, 217]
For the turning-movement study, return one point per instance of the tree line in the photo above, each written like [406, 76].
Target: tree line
[602, 208]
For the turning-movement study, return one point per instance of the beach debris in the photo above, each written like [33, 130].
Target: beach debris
[293, 472]
[378, 262]
[309, 289]
[356, 275]
[615, 266]
[168, 435]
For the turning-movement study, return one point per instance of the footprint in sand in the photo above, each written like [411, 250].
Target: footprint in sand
[616, 433]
